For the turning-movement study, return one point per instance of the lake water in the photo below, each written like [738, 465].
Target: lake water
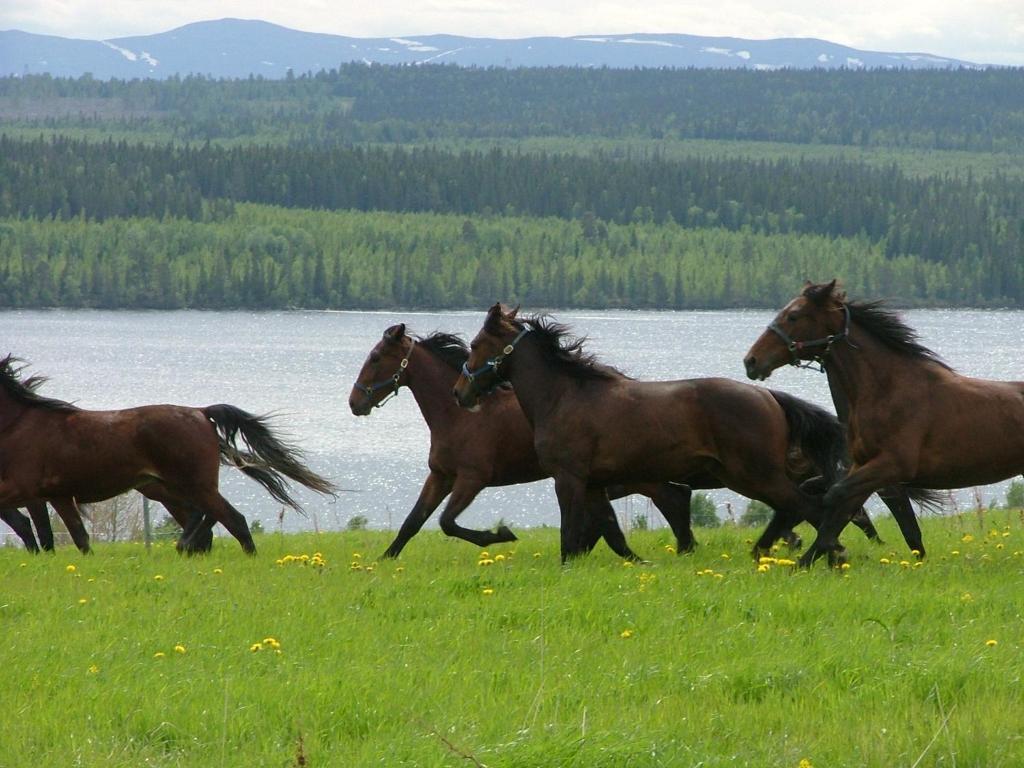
[302, 364]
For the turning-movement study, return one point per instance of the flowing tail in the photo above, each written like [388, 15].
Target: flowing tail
[269, 460]
[817, 433]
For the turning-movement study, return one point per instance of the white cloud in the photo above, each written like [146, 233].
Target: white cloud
[982, 30]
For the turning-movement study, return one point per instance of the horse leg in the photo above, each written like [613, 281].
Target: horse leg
[71, 516]
[898, 502]
[598, 508]
[861, 520]
[841, 502]
[571, 493]
[673, 501]
[214, 506]
[41, 520]
[434, 489]
[22, 526]
[463, 493]
[196, 529]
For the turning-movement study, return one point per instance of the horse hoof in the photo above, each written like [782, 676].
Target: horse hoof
[506, 533]
[388, 555]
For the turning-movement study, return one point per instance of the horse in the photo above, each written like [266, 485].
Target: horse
[52, 450]
[594, 426]
[913, 420]
[470, 452]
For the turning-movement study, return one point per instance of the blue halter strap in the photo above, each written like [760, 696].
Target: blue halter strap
[795, 346]
[394, 381]
[494, 362]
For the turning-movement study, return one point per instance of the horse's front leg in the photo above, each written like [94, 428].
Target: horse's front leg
[572, 506]
[21, 526]
[434, 489]
[41, 519]
[842, 501]
[71, 515]
[463, 493]
[898, 502]
[599, 509]
[673, 501]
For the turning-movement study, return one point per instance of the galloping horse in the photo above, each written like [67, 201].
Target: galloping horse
[470, 452]
[912, 419]
[51, 450]
[593, 426]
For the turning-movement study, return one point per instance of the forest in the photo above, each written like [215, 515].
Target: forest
[390, 186]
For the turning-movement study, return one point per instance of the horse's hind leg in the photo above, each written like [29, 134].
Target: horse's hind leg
[220, 510]
[71, 515]
[463, 493]
[435, 488]
[898, 502]
[22, 526]
[197, 529]
[861, 520]
[41, 520]
[598, 508]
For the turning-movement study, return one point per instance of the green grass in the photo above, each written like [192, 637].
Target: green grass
[413, 663]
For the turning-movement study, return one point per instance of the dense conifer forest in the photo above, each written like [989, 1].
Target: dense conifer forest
[395, 186]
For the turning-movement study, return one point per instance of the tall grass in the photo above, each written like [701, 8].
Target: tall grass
[436, 660]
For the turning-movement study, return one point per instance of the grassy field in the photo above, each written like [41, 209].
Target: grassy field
[130, 658]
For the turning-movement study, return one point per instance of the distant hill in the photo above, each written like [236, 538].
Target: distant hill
[237, 48]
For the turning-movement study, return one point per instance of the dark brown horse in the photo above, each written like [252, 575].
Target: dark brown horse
[22, 526]
[51, 450]
[913, 421]
[594, 427]
[473, 451]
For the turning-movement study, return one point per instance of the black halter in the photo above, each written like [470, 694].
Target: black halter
[494, 362]
[795, 346]
[393, 381]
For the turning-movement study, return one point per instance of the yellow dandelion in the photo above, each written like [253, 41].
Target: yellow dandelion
[999, 545]
[805, 763]
[536, 554]
[967, 538]
[399, 569]
[670, 549]
[719, 576]
[884, 561]
[218, 571]
[726, 556]
[93, 669]
[955, 552]
[785, 561]
[844, 567]
[763, 568]
[966, 597]
[318, 555]
[626, 634]
[357, 555]
[159, 655]
[370, 568]
[499, 558]
[628, 563]
[488, 591]
[766, 560]
[485, 561]
[158, 577]
[915, 552]
[356, 566]
[991, 643]
[70, 568]
[179, 648]
[256, 647]
[918, 564]
[23, 565]
[904, 564]
[288, 558]
[484, 554]
[304, 558]
[82, 601]
[279, 561]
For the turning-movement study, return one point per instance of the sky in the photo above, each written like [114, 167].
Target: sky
[983, 31]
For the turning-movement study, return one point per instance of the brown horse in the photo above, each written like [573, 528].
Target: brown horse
[593, 426]
[913, 421]
[470, 452]
[22, 526]
[51, 450]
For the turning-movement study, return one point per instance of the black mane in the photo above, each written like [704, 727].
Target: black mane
[886, 326]
[565, 351]
[448, 347]
[24, 392]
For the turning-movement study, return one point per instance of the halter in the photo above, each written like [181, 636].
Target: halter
[494, 362]
[393, 381]
[795, 346]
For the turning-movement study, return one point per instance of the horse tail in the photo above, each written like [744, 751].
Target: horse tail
[928, 500]
[269, 459]
[818, 435]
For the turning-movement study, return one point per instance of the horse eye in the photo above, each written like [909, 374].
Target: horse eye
[792, 317]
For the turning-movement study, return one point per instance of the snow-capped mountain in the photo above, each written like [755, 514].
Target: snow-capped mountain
[238, 48]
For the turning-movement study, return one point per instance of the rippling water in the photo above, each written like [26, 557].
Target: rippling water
[302, 364]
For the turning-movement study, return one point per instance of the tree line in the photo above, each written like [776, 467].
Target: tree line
[980, 110]
[952, 221]
[265, 257]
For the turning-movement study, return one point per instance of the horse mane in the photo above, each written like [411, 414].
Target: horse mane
[24, 392]
[565, 352]
[447, 347]
[886, 326]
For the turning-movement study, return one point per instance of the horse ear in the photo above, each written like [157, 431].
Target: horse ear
[513, 312]
[493, 321]
[395, 332]
[819, 293]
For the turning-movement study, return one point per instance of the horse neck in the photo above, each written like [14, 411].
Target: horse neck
[430, 381]
[537, 385]
[10, 410]
[861, 370]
